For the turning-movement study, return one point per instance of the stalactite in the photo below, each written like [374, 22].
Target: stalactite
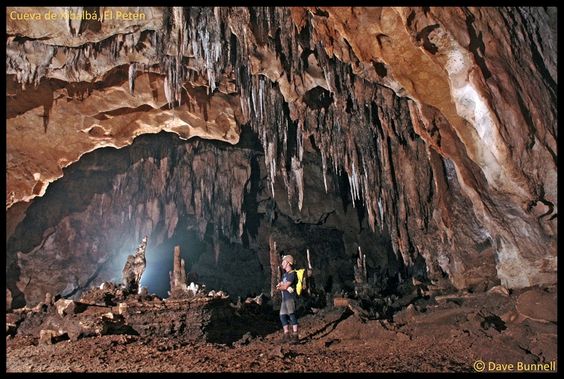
[298, 173]
[215, 42]
[271, 164]
[214, 191]
[300, 136]
[216, 246]
[167, 91]
[131, 77]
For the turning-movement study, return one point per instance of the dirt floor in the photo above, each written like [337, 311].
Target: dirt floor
[449, 335]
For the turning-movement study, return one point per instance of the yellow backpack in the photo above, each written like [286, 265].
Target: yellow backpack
[301, 284]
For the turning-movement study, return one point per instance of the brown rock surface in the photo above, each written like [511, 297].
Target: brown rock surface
[538, 304]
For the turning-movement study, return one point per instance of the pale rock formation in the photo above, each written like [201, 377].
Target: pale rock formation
[134, 268]
[177, 275]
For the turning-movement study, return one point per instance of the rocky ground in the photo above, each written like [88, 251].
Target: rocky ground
[447, 334]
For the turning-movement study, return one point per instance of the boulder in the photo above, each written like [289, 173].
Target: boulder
[49, 337]
[537, 304]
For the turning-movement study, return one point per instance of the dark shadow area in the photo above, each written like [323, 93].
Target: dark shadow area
[317, 98]
[254, 321]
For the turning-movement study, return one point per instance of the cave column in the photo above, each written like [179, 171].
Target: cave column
[178, 273]
[274, 272]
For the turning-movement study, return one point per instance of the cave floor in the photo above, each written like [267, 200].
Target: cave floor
[449, 336]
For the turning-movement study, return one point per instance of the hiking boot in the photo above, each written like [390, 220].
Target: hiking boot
[285, 338]
[294, 339]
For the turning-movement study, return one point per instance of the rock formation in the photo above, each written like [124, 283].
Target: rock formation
[107, 311]
[8, 300]
[429, 133]
[177, 275]
[275, 276]
[361, 287]
[134, 268]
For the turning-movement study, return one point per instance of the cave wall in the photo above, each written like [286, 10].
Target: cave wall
[443, 120]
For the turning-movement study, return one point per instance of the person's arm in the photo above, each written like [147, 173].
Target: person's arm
[290, 279]
[283, 286]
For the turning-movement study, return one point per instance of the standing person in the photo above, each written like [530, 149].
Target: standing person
[288, 307]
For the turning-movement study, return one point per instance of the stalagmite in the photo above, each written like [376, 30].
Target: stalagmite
[274, 270]
[177, 275]
[134, 268]
[361, 286]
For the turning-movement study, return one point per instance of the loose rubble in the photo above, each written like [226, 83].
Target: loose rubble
[448, 336]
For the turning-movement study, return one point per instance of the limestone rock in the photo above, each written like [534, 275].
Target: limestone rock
[49, 299]
[48, 337]
[12, 322]
[8, 300]
[108, 294]
[499, 290]
[538, 304]
[134, 268]
[64, 307]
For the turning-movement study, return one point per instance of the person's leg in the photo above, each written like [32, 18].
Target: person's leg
[285, 320]
[293, 322]
[291, 308]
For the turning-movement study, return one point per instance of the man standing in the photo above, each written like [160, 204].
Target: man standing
[288, 307]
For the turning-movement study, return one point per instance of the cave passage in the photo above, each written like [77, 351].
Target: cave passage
[90, 220]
